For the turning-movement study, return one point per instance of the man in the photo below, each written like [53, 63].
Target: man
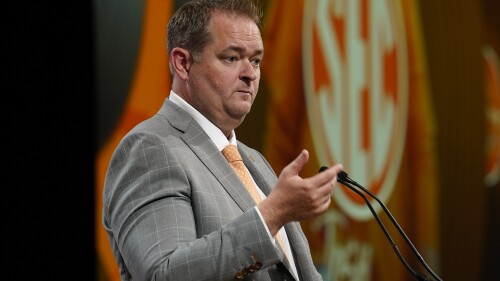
[174, 209]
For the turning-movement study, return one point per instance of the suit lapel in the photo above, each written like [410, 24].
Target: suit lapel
[199, 142]
[257, 168]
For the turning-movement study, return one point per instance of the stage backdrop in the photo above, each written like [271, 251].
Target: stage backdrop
[347, 80]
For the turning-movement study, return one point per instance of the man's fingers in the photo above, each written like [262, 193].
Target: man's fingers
[297, 164]
[327, 175]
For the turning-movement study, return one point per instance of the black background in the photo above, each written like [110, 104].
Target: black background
[48, 137]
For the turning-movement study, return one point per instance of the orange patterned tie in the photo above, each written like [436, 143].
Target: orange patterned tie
[234, 158]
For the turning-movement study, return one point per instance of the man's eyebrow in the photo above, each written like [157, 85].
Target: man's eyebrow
[241, 50]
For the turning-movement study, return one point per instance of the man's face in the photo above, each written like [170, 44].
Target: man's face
[224, 80]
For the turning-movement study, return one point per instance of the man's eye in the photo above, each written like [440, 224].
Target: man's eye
[257, 62]
[231, 59]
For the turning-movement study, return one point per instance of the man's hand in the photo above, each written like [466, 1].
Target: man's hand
[295, 198]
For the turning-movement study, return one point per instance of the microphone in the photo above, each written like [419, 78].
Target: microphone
[343, 178]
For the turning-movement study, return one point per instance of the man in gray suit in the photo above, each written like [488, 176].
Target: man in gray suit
[174, 209]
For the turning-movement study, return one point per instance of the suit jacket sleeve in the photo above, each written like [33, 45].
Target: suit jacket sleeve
[160, 225]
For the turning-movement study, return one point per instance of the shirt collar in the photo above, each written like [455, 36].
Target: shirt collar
[212, 131]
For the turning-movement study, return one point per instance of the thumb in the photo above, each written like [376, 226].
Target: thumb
[297, 164]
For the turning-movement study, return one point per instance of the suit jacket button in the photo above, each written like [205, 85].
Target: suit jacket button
[239, 275]
[258, 265]
[252, 268]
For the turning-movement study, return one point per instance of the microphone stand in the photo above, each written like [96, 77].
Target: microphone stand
[344, 179]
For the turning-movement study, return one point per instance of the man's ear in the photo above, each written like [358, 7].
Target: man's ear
[181, 62]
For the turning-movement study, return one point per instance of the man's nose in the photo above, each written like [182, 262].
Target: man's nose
[249, 71]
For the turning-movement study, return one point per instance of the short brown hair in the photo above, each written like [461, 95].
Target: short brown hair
[188, 27]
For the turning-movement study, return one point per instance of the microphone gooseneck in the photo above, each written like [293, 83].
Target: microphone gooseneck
[343, 178]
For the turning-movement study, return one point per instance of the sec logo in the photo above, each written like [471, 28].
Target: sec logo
[356, 87]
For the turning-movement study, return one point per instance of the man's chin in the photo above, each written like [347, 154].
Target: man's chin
[241, 110]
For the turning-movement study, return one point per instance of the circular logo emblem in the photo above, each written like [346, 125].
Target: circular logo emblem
[356, 85]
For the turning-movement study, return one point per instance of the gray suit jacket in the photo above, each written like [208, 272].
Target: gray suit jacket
[175, 210]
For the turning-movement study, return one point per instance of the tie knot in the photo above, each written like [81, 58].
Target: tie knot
[231, 153]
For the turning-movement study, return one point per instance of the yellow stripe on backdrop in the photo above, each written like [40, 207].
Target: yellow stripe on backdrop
[344, 247]
[150, 86]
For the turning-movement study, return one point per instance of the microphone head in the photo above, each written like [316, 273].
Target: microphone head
[322, 168]
[341, 175]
